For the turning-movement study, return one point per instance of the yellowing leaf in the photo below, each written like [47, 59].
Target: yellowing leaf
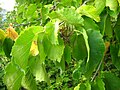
[34, 48]
[11, 33]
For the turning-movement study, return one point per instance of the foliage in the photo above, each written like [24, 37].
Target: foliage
[62, 45]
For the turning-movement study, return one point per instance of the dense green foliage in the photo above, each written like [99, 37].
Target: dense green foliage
[78, 45]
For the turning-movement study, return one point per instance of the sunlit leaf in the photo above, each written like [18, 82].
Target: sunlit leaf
[90, 11]
[77, 87]
[119, 2]
[30, 10]
[113, 5]
[69, 15]
[21, 48]
[52, 32]
[100, 5]
[2, 36]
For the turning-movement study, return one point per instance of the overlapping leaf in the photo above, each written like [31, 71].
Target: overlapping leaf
[90, 24]
[38, 69]
[52, 31]
[69, 15]
[79, 50]
[20, 54]
[90, 11]
[21, 48]
[28, 81]
[97, 49]
[113, 5]
[54, 52]
[13, 76]
[100, 5]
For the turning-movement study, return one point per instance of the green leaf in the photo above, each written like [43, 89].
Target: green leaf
[85, 86]
[118, 2]
[97, 49]
[2, 36]
[41, 47]
[79, 70]
[67, 54]
[90, 24]
[89, 11]
[30, 10]
[62, 65]
[21, 48]
[102, 23]
[13, 76]
[52, 32]
[38, 69]
[82, 87]
[41, 73]
[77, 87]
[106, 25]
[113, 5]
[100, 5]
[7, 46]
[114, 49]
[108, 28]
[54, 52]
[44, 14]
[77, 73]
[116, 29]
[98, 84]
[112, 82]
[21, 8]
[69, 15]
[20, 54]
[28, 81]
[84, 33]
[66, 2]
[79, 51]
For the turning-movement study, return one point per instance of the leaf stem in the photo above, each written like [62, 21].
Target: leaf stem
[96, 71]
